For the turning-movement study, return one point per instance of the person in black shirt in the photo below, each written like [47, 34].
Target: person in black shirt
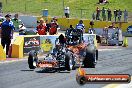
[109, 14]
[47, 25]
[115, 14]
[97, 13]
[119, 15]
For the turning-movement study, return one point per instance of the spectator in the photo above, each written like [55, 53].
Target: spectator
[125, 15]
[41, 28]
[57, 25]
[47, 25]
[67, 12]
[105, 1]
[119, 15]
[80, 26]
[91, 24]
[97, 13]
[104, 14]
[53, 27]
[115, 14]
[100, 1]
[109, 14]
[93, 16]
[16, 22]
[7, 29]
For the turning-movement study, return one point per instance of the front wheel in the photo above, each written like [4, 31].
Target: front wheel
[32, 60]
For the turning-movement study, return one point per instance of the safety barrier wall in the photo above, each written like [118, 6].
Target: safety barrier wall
[17, 47]
[31, 21]
[2, 54]
[66, 22]
[43, 44]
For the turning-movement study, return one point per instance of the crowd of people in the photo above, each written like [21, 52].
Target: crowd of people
[44, 27]
[107, 14]
[9, 25]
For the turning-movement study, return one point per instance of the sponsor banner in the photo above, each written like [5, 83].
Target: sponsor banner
[47, 43]
[31, 43]
[83, 78]
[103, 78]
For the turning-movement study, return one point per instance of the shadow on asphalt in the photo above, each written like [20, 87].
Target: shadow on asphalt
[64, 72]
[41, 71]
[27, 70]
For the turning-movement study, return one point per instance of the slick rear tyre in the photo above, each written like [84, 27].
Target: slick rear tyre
[89, 60]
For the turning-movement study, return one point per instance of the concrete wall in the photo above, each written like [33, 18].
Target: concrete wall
[17, 47]
[31, 21]
[66, 22]
[2, 54]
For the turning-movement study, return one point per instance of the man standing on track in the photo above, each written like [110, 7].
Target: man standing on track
[6, 32]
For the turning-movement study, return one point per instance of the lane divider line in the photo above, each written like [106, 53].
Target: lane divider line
[129, 85]
[10, 61]
[108, 49]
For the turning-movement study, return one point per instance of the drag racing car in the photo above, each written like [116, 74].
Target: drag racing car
[70, 52]
[59, 60]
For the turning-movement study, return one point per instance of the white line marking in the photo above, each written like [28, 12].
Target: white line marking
[10, 61]
[108, 49]
[129, 85]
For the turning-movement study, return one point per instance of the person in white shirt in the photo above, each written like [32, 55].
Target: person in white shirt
[67, 12]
